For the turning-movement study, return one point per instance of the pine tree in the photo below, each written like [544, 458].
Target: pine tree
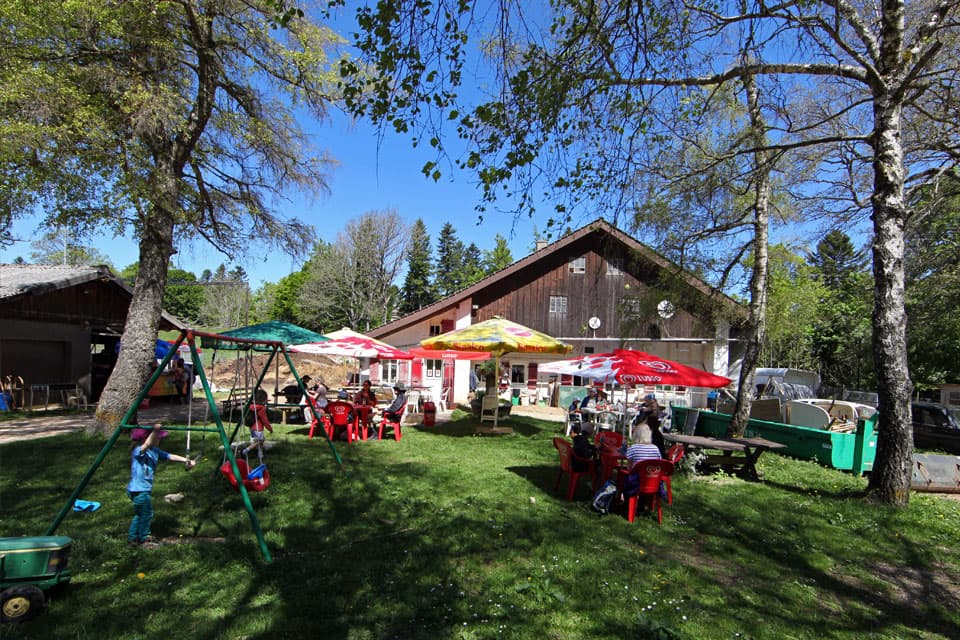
[842, 329]
[472, 269]
[450, 252]
[498, 258]
[837, 260]
[418, 291]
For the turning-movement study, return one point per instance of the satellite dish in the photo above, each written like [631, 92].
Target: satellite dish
[665, 309]
[594, 322]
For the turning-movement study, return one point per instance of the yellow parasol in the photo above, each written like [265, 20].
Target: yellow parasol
[497, 336]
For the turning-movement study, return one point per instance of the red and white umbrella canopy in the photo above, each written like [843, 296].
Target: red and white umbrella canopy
[626, 366]
[356, 346]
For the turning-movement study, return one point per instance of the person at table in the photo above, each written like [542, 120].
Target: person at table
[588, 406]
[641, 446]
[582, 448]
[343, 396]
[366, 401]
[394, 412]
[656, 438]
[365, 396]
[317, 393]
[649, 407]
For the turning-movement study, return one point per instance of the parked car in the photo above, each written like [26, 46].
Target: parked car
[935, 427]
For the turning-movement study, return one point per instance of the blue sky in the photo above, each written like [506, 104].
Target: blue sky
[372, 175]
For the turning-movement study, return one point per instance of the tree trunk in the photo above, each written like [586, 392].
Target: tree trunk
[143, 320]
[757, 321]
[892, 469]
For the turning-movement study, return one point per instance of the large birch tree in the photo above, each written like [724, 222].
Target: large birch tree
[857, 96]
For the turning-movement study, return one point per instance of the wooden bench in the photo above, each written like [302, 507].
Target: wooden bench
[738, 453]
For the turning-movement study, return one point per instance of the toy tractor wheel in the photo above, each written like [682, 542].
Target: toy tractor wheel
[20, 603]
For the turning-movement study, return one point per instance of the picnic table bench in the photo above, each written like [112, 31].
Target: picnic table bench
[738, 453]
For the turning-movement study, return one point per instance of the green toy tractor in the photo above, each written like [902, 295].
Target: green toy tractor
[29, 567]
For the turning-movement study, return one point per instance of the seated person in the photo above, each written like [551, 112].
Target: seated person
[640, 449]
[583, 448]
[394, 412]
[588, 406]
[343, 396]
[366, 396]
[258, 421]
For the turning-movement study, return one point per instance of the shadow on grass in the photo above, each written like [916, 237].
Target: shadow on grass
[547, 479]
[873, 596]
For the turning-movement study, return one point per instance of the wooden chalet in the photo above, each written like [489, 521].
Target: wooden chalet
[597, 289]
[61, 326]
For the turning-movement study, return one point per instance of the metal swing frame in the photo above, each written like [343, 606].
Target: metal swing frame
[189, 336]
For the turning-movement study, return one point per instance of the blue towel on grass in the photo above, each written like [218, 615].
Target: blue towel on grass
[85, 505]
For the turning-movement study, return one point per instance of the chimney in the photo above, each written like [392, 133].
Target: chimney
[541, 244]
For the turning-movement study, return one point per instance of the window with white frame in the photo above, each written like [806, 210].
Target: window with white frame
[518, 374]
[389, 371]
[615, 267]
[433, 369]
[578, 265]
[558, 304]
[435, 330]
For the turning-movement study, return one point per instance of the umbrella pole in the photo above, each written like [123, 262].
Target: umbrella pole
[496, 414]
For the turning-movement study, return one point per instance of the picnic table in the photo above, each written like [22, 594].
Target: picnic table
[738, 453]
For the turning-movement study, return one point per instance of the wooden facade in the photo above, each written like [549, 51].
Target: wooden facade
[61, 324]
[642, 301]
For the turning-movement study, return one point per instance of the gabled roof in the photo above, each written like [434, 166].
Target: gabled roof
[598, 226]
[33, 279]
[17, 280]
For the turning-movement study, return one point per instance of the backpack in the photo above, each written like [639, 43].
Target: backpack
[603, 498]
[250, 418]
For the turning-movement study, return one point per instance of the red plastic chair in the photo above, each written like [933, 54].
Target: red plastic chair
[364, 418]
[650, 473]
[609, 439]
[674, 455]
[394, 424]
[567, 456]
[339, 415]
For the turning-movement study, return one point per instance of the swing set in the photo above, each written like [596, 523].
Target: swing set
[236, 471]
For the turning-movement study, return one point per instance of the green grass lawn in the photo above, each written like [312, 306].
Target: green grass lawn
[448, 534]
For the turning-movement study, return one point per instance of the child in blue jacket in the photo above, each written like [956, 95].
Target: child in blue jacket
[144, 457]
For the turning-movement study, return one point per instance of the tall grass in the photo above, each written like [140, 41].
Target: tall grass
[450, 534]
